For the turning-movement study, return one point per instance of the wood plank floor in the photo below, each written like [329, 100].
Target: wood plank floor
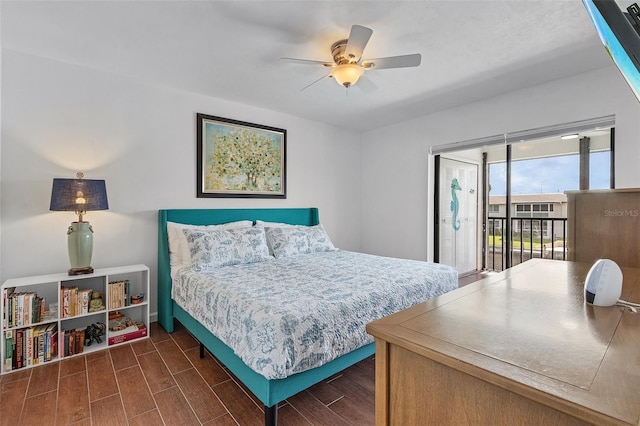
[163, 381]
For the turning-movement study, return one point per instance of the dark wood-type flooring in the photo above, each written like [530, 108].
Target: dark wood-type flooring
[163, 381]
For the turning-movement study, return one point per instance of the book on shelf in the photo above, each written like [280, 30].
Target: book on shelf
[68, 343]
[36, 305]
[65, 308]
[119, 294]
[8, 350]
[25, 301]
[6, 304]
[71, 341]
[83, 301]
[18, 299]
[73, 301]
[39, 342]
[79, 340]
[127, 329]
[19, 355]
[28, 347]
[32, 308]
[50, 337]
[140, 331]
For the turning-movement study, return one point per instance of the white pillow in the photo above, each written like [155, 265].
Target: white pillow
[178, 248]
[296, 240]
[274, 224]
[213, 248]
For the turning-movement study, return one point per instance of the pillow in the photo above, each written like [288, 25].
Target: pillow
[213, 248]
[273, 225]
[296, 240]
[178, 248]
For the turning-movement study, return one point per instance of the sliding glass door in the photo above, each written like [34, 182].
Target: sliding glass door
[501, 200]
[527, 201]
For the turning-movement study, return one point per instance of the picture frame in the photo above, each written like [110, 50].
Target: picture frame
[237, 159]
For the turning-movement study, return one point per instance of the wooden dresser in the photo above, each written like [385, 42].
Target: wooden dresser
[520, 347]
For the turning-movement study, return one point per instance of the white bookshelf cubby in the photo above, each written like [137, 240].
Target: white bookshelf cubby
[24, 315]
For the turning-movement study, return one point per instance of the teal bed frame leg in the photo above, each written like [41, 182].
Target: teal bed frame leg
[271, 415]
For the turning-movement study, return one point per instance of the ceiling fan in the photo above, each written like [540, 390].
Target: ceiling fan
[348, 66]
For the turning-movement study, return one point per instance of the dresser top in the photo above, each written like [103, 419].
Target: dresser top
[528, 329]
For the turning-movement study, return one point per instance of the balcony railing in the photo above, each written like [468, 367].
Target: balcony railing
[531, 237]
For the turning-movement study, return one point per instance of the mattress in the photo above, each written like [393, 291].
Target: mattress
[284, 316]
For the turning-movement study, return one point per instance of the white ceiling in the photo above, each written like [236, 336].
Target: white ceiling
[231, 49]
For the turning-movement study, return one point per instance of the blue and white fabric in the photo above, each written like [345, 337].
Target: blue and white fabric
[291, 314]
[297, 240]
[214, 248]
[179, 254]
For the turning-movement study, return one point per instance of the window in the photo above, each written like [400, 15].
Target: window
[533, 209]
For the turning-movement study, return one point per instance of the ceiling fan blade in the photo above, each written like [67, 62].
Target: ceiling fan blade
[393, 62]
[306, 62]
[358, 39]
[366, 84]
[314, 82]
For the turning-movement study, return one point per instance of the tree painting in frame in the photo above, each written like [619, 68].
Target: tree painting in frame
[239, 159]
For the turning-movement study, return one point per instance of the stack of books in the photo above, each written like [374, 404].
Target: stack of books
[30, 346]
[119, 294]
[75, 301]
[23, 308]
[123, 329]
[72, 341]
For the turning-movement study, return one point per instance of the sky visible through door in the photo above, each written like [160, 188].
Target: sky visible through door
[551, 175]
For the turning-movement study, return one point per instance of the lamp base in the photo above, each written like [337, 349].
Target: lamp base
[80, 242]
[81, 271]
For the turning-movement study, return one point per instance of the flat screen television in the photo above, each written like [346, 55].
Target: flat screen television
[620, 34]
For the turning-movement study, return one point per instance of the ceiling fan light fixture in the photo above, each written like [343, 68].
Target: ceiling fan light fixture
[348, 64]
[347, 74]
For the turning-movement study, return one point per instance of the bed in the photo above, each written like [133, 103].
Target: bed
[191, 294]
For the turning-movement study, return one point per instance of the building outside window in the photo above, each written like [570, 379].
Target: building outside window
[532, 206]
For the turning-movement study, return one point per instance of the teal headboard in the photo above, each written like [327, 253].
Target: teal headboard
[294, 216]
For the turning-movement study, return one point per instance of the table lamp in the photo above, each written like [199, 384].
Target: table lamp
[80, 196]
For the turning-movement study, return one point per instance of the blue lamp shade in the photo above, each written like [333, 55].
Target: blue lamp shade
[78, 195]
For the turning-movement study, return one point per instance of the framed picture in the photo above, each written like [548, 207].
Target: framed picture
[239, 159]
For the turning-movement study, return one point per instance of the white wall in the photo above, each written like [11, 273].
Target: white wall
[59, 118]
[396, 166]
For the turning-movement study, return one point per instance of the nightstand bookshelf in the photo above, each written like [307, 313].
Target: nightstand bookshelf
[40, 313]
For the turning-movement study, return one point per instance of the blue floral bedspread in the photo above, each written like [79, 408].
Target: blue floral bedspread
[284, 316]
